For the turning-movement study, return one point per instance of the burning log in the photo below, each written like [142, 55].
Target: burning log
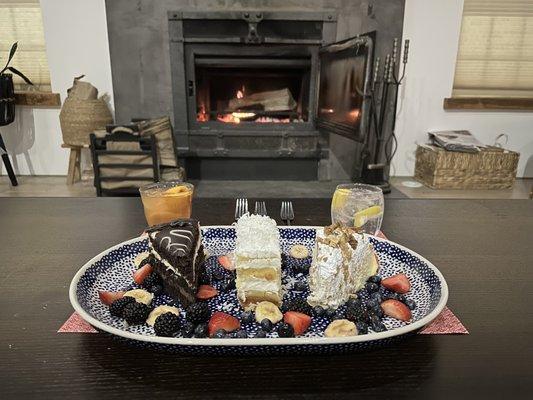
[275, 100]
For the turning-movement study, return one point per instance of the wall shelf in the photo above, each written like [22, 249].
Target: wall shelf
[37, 99]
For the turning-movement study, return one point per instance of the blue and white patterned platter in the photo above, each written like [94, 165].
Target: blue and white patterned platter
[112, 270]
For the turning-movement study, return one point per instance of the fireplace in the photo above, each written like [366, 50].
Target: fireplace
[264, 91]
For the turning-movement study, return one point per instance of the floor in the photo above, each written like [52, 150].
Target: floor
[55, 186]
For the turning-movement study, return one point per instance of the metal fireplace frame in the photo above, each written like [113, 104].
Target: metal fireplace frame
[216, 146]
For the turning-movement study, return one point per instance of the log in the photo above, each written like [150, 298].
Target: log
[274, 100]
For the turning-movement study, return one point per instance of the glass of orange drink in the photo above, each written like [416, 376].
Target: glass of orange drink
[166, 201]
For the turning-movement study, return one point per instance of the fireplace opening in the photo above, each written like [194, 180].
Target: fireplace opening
[266, 91]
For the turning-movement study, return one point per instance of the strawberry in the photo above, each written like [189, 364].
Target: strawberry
[220, 320]
[109, 297]
[396, 309]
[226, 262]
[397, 283]
[142, 273]
[206, 292]
[299, 321]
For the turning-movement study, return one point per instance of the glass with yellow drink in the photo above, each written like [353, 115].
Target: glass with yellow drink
[166, 201]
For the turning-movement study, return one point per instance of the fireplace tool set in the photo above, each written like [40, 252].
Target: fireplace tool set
[382, 87]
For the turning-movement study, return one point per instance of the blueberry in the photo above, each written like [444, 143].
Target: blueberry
[378, 327]
[267, 325]
[353, 302]
[401, 298]
[220, 334]
[375, 279]
[300, 286]
[410, 303]
[374, 319]
[301, 268]
[376, 311]
[339, 314]
[285, 330]
[247, 317]
[218, 274]
[330, 313]
[201, 331]
[362, 328]
[188, 330]
[372, 303]
[318, 311]
[376, 296]
[371, 287]
[227, 284]
[240, 334]
[156, 289]
[260, 334]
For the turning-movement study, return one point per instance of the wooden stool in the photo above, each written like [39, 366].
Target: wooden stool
[74, 162]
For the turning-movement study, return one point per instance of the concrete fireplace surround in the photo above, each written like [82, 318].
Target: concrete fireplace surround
[142, 76]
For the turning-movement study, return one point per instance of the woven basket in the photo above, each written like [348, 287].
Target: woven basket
[78, 118]
[492, 168]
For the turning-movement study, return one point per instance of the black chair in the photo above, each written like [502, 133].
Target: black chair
[99, 148]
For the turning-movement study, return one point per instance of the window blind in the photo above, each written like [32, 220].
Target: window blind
[495, 57]
[21, 21]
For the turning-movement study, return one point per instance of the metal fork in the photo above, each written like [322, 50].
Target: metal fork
[260, 208]
[287, 212]
[241, 208]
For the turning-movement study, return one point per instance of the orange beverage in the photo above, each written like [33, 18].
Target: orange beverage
[166, 201]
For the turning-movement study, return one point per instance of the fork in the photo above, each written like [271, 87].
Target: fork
[260, 208]
[287, 212]
[241, 208]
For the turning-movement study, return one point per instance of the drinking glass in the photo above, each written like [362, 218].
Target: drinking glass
[166, 201]
[358, 205]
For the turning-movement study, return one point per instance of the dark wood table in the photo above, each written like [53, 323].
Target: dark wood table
[484, 248]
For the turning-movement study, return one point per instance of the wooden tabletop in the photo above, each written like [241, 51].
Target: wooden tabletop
[484, 248]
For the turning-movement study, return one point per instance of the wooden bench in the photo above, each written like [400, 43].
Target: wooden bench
[74, 162]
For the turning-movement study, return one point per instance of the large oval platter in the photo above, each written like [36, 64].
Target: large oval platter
[112, 270]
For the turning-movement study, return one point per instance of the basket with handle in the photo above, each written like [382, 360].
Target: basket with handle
[82, 113]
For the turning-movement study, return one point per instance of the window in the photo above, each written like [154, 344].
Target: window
[495, 56]
[21, 21]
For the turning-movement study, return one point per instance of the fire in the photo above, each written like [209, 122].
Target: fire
[202, 116]
[353, 115]
[240, 93]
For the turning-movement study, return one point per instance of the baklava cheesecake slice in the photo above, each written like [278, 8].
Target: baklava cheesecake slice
[343, 260]
[257, 261]
[179, 256]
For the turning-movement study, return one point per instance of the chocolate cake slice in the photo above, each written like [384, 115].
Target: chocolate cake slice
[179, 256]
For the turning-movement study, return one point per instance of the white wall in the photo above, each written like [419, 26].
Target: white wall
[76, 44]
[433, 27]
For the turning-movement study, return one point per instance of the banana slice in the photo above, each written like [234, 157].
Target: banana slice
[156, 312]
[140, 258]
[140, 295]
[340, 327]
[299, 251]
[268, 310]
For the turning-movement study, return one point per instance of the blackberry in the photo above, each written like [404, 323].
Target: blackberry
[152, 280]
[247, 317]
[318, 311]
[136, 313]
[198, 312]
[362, 328]
[117, 307]
[156, 290]
[167, 324]
[298, 304]
[371, 287]
[356, 312]
[353, 302]
[260, 334]
[285, 331]
[218, 274]
[330, 313]
[300, 286]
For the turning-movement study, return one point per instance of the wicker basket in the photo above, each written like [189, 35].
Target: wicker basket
[492, 168]
[83, 113]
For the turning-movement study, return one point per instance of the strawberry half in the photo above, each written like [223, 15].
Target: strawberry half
[220, 320]
[109, 297]
[226, 262]
[397, 283]
[142, 273]
[206, 292]
[396, 309]
[299, 321]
